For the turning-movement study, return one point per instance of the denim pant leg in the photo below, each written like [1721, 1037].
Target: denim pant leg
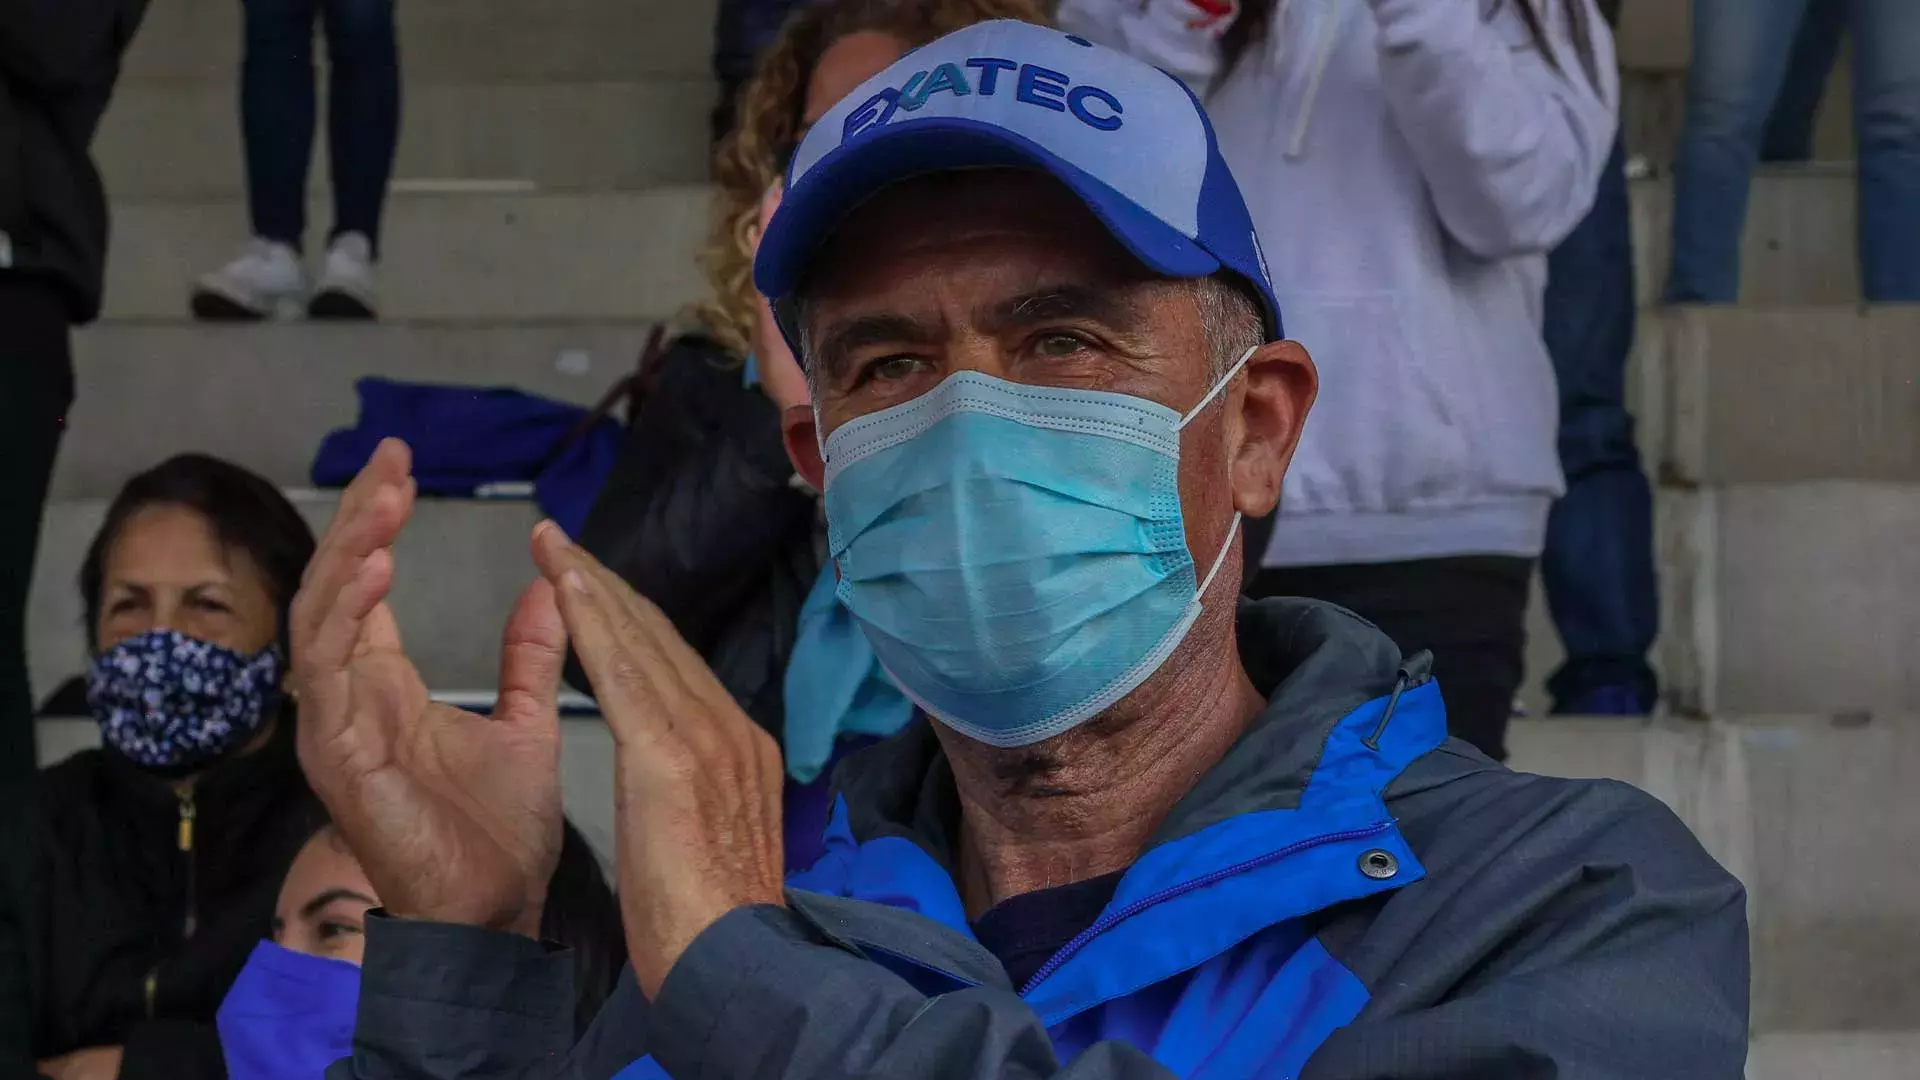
[1598, 560]
[1789, 135]
[1740, 53]
[1886, 118]
[363, 110]
[277, 114]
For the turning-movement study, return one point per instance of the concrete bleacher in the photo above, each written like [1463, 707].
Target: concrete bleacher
[548, 203]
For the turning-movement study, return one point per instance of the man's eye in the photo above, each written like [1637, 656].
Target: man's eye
[1060, 344]
[332, 931]
[892, 368]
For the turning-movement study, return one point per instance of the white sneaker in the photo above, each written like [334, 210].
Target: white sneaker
[346, 280]
[266, 279]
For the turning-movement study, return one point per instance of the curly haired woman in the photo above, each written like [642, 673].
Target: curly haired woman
[701, 514]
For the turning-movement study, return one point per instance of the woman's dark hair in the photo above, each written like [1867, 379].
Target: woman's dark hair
[246, 512]
[582, 914]
[1249, 28]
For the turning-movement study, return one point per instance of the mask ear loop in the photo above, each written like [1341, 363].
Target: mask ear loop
[1227, 544]
[1220, 559]
[1217, 387]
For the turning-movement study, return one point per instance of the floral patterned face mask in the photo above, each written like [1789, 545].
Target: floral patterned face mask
[168, 701]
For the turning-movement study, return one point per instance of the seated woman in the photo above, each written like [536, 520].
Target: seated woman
[701, 515]
[290, 1014]
[147, 868]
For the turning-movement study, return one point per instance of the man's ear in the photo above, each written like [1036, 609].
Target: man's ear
[799, 429]
[1281, 384]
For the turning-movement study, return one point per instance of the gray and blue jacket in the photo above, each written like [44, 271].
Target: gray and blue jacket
[1345, 895]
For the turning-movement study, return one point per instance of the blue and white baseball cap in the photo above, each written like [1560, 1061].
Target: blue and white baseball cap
[1129, 139]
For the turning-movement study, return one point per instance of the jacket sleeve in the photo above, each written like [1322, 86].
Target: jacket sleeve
[759, 995]
[172, 1050]
[1180, 37]
[62, 44]
[1510, 131]
[1599, 942]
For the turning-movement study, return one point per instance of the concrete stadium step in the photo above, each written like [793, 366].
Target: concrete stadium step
[1812, 815]
[462, 564]
[546, 255]
[1744, 394]
[1791, 597]
[170, 140]
[460, 39]
[265, 395]
[1800, 243]
[487, 257]
[1834, 1055]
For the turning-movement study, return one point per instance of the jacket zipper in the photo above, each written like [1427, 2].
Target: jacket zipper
[187, 812]
[1119, 915]
[150, 986]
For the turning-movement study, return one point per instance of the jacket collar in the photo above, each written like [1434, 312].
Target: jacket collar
[1276, 830]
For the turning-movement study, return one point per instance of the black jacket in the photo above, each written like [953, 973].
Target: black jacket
[110, 934]
[58, 63]
[1345, 895]
[699, 517]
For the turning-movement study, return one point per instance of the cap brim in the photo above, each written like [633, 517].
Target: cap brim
[854, 172]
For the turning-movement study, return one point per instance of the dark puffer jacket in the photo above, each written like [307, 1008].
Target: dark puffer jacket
[59, 60]
[700, 517]
[127, 906]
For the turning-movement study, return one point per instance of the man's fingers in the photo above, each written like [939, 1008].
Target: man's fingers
[390, 464]
[637, 688]
[533, 651]
[337, 633]
[337, 566]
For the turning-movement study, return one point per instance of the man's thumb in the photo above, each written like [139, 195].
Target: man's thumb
[532, 652]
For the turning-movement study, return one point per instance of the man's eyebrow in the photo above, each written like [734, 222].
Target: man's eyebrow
[841, 340]
[312, 907]
[1105, 306]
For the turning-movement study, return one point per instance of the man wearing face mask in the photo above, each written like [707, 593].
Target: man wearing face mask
[145, 870]
[1148, 832]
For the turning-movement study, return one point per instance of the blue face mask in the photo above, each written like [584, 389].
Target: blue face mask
[168, 701]
[1016, 554]
[288, 1015]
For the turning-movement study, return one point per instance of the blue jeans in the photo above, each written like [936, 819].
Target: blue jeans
[1789, 134]
[1742, 51]
[1598, 561]
[277, 112]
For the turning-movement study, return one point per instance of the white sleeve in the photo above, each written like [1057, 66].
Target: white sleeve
[1181, 37]
[1510, 128]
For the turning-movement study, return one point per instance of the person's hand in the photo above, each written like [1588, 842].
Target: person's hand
[93, 1063]
[455, 817]
[780, 374]
[696, 782]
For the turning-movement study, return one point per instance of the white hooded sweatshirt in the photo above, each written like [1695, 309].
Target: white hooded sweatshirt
[1408, 163]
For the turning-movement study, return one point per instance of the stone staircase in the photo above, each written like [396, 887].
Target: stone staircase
[547, 204]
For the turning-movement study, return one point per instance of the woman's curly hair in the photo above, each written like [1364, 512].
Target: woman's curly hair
[768, 122]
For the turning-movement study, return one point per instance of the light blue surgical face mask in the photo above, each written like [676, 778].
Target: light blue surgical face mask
[1016, 554]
